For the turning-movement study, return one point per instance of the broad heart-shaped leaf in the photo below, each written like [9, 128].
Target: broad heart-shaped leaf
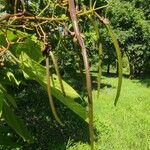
[31, 47]
[16, 123]
[7, 97]
[37, 72]
[12, 120]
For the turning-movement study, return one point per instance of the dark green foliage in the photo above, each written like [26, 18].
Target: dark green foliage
[132, 30]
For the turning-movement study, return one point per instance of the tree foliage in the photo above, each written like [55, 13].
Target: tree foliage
[132, 29]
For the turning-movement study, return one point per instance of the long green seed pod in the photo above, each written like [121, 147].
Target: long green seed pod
[73, 16]
[57, 72]
[118, 53]
[50, 92]
[100, 53]
[99, 69]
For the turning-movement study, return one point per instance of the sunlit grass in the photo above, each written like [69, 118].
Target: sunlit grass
[126, 126]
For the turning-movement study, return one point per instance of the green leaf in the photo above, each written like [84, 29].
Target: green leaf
[11, 100]
[30, 47]
[7, 97]
[21, 34]
[16, 123]
[11, 118]
[11, 36]
[38, 72]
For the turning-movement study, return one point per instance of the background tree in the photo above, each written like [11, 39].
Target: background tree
[130, 23]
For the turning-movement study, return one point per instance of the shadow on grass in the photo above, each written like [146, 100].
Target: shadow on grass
[33, 108]
[145, 80]
[111, 74]
[78, 82]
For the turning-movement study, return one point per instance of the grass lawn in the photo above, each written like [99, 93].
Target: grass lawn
[126, 126]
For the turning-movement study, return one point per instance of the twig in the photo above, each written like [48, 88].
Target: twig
[15, 6]
[47, 6]
[23, 6]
